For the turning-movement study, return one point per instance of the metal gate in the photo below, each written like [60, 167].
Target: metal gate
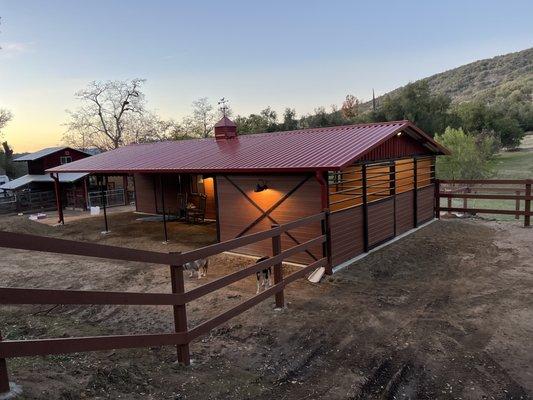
[115, 197]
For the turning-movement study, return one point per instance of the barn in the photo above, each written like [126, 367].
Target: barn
[376, 179]
[36, 189]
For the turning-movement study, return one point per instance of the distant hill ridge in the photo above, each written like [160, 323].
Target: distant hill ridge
[498, 76]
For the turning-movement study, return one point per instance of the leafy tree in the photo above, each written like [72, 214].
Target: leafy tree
[350, 107]
[476, 117]
[290, 122]
[471, 155]
[10, 168]
[265, 121]
[321, 118]
[416, 103]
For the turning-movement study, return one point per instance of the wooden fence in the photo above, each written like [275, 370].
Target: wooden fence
[28, 202]
[514, 190]
[178, 299]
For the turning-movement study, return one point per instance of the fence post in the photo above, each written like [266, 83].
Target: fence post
[326, 246]
[180, 313]
[4, 378]
[278, 271]
[527, 203]
[437, 199]
[465, 200]
[517, 205]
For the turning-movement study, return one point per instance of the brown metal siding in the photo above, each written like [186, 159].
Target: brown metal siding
[149, 201]
[380, 221]
[426, 206]
[236, 212]
[144, 193]
[170, 190]
[347, 240]
[404, 212]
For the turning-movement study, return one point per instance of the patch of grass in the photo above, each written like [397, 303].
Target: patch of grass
[507, 165]
[514, 165]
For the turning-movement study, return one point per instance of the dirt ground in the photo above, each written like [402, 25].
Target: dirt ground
[446, 312]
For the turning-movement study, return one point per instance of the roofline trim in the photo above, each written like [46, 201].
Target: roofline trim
[60, 148]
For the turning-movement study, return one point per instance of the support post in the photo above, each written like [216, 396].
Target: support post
[326, 246]
[392, 188]
[415, 185]
[527, 203]
[85, 194]
[278, 271]
[365, 209]
[59, 202]
[104, 202]
[517, 205]
[163, 206]
[180, 313]
[4, 377]
[437, 199]
[125, 188]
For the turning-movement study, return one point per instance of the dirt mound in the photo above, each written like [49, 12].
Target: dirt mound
[444, 313]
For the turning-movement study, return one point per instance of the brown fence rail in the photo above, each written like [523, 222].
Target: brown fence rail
[517, 191]
[178, 299]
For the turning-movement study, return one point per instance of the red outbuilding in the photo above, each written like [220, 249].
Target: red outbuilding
[376, 179]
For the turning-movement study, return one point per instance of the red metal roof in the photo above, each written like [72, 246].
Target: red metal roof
[225, 121]
[302, 150]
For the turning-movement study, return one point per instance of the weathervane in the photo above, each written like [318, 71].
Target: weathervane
[223, 106]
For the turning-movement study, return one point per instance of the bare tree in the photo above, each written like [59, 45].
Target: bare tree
[148, 127]
[108, 115]
[203, 117]
[5, 117]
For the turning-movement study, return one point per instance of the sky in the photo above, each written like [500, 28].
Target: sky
[300, 54]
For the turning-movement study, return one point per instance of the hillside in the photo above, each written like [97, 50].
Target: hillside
[487, 79]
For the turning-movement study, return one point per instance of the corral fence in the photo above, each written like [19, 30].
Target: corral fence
[76, 199]
[8, 204]
[486, 196]
[28, 201]
[178, 299]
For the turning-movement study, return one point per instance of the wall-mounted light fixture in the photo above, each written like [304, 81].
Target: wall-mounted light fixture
[261, 185]
[399, 133]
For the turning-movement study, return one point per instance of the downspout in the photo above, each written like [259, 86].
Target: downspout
[59, 203]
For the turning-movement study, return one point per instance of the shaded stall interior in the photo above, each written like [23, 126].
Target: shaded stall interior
[172, 193]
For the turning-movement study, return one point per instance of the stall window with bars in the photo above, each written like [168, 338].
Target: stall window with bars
[383, 179]
[379, 181]
[345, 188]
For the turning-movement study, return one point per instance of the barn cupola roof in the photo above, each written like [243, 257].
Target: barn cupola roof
[225, 129]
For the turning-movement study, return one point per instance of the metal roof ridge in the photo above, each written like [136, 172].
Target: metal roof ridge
[303, 130]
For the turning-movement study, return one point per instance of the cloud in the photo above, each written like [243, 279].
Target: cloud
[14, 49]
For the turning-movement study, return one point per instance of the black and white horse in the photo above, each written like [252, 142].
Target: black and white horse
[264, 277]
